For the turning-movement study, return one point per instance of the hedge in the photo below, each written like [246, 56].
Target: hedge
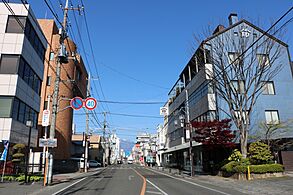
[235, 167]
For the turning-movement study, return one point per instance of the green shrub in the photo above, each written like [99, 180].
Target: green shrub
[20, 178]
[259, 153]
[229, 167]
[36, 178]
[235, 156]
[258, 169]
[267, 168]
[9, 178]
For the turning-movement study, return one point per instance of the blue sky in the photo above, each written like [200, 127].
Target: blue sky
[150, 41]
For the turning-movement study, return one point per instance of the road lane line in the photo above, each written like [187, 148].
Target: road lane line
[69, 186]
[142, 192]
[157, 187]
[153, 192]
[195, 184]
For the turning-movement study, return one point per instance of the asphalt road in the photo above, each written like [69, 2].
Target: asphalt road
[137, 180]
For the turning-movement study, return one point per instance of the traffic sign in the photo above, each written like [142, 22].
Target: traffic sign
[46, 118]
[47, 142]
[90, 103]
[76, 103]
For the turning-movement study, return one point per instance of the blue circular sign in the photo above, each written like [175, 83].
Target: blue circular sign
[76, 103]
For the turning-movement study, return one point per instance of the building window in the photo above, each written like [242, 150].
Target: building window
[272, 117]
[263, 59]
[15, 24]
[9, 64]
[34, 40]
[49, 78]
[45, 105]
[78, 75]
[52, 56]
[232, 56]
[237, 86]
[5, 105]
[244, 114]
[268, 88]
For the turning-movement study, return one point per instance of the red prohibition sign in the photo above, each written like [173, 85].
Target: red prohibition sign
[90, 103]
[76, 103]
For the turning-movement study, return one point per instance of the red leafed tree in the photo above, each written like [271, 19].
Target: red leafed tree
[214, 133]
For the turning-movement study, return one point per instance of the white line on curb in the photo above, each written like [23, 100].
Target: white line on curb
[157, 187]
[211, 189]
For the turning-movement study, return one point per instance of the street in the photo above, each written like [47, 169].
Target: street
[138, 180]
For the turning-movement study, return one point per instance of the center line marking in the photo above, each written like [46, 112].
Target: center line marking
[142, 192]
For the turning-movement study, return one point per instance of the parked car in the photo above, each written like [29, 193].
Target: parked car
[94, 163]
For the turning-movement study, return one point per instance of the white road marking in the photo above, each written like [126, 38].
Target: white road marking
[152, 192]
[69, 186]
[195, 184]
[157, 187]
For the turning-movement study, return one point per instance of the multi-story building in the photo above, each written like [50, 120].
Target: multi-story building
[195, 96]
[73, 83]
[22, 53]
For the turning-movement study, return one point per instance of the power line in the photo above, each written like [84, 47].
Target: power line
[137, 103]
[127, 115]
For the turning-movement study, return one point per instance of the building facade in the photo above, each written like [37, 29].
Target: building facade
[73, 83]
[195, 96]
[22, 53]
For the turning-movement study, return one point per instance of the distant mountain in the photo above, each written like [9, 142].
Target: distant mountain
[126, 145]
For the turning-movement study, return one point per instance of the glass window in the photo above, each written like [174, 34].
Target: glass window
[263, 59]
[21, 112]
[268, 88]
[15, 108]
[31, 79]
[232, 56]
[51, 56]
[237, 115]
[21, 68]
[26, 75]
[45, 105]
[272, 117]
[49, 78]
[15, 24]
[5, 105]
[238, 86]
[9, 64]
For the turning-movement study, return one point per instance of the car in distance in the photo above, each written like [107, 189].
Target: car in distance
[94, 163]
[130, 161]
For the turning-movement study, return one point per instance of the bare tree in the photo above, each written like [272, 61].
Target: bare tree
[240, 71]
[272, 135]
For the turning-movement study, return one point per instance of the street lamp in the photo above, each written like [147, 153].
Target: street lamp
[187, 127]
[30, 125]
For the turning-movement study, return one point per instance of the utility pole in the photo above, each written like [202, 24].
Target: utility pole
[189, 128]
[104, 132]
[87, 126]
[62, 58]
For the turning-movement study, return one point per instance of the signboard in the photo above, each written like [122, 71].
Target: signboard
[76, 103]
[48, 142]
[164, 111]
[46, 118]
[90, 103]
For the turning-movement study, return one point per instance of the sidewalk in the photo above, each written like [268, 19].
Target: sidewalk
[60, 181]
[274, 185]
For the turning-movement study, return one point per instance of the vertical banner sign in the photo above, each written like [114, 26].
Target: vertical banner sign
[4, 153]
[46, 118]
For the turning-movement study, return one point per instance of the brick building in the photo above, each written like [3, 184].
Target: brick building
[73, 83]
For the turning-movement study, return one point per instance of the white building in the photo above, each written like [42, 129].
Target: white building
[22, 53]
